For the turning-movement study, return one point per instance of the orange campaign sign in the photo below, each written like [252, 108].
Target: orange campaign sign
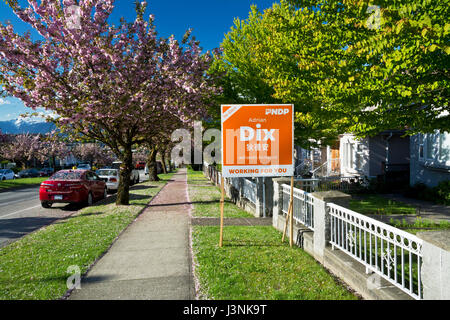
[257, 140]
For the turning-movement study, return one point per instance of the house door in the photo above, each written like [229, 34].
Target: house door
[335, 163]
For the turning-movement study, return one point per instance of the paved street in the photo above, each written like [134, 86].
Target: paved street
[21, 212]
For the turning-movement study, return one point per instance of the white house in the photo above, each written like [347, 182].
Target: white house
[386, 153]
[430, 158]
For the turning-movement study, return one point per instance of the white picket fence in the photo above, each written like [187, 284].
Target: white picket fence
[249, 191]
[390, 252]
[393, 254]
[303, 205]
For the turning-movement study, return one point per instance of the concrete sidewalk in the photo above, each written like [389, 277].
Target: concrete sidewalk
[151, 259]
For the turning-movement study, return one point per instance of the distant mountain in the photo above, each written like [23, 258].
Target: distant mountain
[24, 125]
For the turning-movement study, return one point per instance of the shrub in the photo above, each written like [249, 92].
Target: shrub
[439, 194]
[442, 191]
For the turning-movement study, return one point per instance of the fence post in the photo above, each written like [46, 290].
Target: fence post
[322, 219]
[277, 210]
[259, 198]
[436, 265]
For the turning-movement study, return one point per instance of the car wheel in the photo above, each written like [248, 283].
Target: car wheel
[89, 199]
[3, 178]
[46, 204]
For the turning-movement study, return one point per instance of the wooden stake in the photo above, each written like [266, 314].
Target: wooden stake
[222, 198]
[291, 233]
[287, 221]
[289, 216]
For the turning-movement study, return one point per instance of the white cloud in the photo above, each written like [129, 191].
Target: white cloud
[3, 101]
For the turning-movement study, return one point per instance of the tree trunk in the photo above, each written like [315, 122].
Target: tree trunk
[170, 163]
[123, 191]
[163, 160]
[152, 166]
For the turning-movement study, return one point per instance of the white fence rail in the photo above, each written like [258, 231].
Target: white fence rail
[392, 253]
[303, 205]
[249, 191]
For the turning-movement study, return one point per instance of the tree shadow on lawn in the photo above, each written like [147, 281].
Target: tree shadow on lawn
[140, 187]
[15, 228]
[251, 243]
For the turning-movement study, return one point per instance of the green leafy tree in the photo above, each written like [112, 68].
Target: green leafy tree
[393, 69]
[348, 66]
[259, 64]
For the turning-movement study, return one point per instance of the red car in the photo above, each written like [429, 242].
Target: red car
[140, 165]
[72, 186]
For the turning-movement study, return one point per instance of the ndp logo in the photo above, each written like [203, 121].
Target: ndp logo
[278, 112]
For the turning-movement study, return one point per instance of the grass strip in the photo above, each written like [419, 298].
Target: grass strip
[206, 199]
[375, 204]
[22, 182]
[420, 225]
[35, 267]
[197, 178]
[254, 264]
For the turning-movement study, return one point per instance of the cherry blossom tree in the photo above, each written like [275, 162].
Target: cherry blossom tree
[113, 84]
[94, 154]
[20, 148]
[49, 147]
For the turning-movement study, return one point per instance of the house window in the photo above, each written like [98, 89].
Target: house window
[444, 147]
[436, 147]
[350, 150]
[421, 146]
[430, 142]
[353, 155]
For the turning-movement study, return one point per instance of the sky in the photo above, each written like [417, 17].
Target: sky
[210, 20]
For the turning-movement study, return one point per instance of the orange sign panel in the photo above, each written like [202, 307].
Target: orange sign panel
[257, 140]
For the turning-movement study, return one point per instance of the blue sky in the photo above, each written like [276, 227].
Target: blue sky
[209, 19]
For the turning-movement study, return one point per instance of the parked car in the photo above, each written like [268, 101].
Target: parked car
[46, 172]
[134, 177]
[28, 173]
[140, 165]
[111, 177]
[72, 186]
[6, 174]
[84, 166]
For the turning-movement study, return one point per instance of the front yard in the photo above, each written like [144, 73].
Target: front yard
[376, 204]
[253, 262]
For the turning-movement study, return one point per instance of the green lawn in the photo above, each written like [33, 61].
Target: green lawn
[35, 267]
[420, 225]
[7, 184]
[197, 178]
[206, 199]
[375, 204]
[254, 264]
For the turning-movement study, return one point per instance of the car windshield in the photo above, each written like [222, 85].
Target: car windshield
[67, 175]
[107, 172]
